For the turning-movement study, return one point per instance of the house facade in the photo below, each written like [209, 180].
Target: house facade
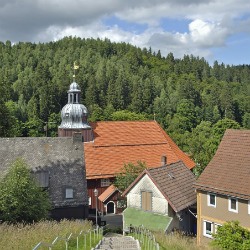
[167, 190]
[223, 189]
[57, 165]
[108, 145]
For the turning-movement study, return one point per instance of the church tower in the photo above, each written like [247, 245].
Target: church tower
[74, 116]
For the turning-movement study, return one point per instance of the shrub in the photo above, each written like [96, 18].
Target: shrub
[232, 236]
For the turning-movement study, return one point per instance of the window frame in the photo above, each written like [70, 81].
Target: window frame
[209, 199]
[205, 229]
[230, 204]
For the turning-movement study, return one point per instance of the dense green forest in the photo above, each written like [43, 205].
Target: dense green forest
[193, 101]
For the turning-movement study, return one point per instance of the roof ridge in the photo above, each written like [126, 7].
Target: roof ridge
[129, 145]
[167, 165]
[124, 121]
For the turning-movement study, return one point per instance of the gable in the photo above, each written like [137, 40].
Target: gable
[146, 184]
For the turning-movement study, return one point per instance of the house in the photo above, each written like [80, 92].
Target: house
[223, 189]
[108, 145]
[57, 165]
[167, 190]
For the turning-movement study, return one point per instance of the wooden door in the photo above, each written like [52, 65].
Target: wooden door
[146, 201]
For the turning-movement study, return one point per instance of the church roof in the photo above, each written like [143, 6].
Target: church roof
[120, 142]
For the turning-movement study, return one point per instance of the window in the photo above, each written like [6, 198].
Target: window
[89, 201]
[69, 193]
[105, 182]
[211, 200]
[42, 178]
[207, 229]
[233, 205]
[216, 226]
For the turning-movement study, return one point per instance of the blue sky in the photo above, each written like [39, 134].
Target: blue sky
[213, 29]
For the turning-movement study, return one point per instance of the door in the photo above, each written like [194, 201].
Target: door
[146, 201]
[110, 208]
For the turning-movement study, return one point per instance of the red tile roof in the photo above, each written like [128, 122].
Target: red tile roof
[175, 181]
[229, 171]
[107, 193]
[122, 142]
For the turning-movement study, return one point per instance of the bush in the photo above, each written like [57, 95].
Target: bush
[232, 236]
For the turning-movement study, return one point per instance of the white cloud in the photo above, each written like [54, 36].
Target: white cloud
[207, 34]
[211, 22]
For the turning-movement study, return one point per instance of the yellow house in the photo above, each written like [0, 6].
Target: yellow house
[223, 189]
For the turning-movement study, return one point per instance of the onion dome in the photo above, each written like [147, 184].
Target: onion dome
[74, 115]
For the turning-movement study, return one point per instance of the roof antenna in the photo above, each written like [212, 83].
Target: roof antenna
[75, 67]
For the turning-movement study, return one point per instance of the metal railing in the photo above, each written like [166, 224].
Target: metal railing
[145, 237]
[90, 236]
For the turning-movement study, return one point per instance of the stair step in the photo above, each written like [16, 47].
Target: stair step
[118, 243]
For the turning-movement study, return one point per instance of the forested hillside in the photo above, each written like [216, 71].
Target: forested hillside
[193, 101]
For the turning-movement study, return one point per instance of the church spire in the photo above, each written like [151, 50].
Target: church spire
[74, 115]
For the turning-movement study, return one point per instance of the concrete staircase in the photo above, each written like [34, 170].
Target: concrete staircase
[118, 243]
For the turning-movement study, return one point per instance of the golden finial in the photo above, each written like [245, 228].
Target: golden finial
[75, 67]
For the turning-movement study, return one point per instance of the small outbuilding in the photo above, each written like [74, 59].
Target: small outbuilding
[167, 190]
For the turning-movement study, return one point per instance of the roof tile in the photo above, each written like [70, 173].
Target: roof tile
[175, 181]
[120, 142]
[229, 170]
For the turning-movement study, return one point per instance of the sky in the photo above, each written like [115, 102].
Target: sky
[213, 29]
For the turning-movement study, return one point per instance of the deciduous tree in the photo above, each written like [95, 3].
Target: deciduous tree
[21, 200]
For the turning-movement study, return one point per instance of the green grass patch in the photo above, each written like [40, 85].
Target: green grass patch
[149, 220]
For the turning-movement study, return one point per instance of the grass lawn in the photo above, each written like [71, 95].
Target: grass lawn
[147, 219]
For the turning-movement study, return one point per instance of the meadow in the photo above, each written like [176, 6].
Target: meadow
[27, 236]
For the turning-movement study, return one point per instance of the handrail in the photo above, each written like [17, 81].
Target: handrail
[148, 241]
[97, 231]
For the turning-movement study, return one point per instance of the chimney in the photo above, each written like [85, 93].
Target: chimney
[164, 160]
